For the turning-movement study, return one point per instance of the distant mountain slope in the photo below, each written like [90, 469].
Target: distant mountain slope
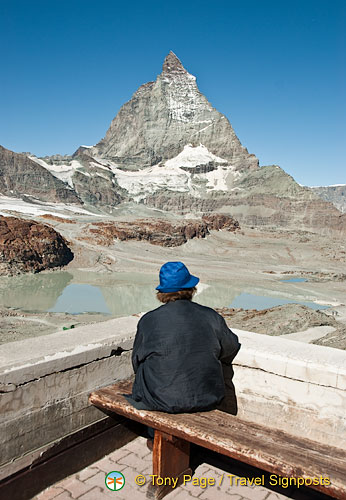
[19, 176]
[335, 194]
[93, 182]
[266, 196]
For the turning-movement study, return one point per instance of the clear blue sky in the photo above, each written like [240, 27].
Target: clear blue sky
[275, 68]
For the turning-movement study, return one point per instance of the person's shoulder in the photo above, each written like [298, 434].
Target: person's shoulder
[206, 310]
[150, 314]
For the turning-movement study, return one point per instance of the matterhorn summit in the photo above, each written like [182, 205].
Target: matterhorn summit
[165, 116]
[168, 149]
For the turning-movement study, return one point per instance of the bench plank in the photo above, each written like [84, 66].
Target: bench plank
[269, 449]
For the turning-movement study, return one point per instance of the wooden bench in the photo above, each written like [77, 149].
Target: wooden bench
[271, 450]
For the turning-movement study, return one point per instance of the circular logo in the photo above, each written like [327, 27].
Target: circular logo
[115, 480]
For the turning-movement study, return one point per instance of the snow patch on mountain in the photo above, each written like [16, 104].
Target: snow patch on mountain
[12, 206]
[139, 183]
[193, 156]
[183, 98]
[217, 179]
[329, 186]
[63, 172]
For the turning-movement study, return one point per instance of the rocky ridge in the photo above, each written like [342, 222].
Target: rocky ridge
[28, 246]
[20, 175]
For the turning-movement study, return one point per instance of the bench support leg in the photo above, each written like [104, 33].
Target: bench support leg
[171, 457]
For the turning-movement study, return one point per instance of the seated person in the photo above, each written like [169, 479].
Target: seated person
[178, 349]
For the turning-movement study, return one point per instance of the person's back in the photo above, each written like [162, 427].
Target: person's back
[178, 350]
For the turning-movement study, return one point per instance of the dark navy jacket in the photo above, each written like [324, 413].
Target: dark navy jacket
[177, 356]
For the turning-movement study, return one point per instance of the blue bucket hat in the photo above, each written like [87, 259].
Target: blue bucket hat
[175, 276]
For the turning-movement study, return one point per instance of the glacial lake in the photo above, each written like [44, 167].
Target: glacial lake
[294, 280]
[116, 294]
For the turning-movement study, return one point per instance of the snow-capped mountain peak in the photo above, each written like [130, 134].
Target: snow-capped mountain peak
[164, 116]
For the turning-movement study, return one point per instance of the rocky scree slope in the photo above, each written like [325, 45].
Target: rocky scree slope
[286, 319]
[278, 320]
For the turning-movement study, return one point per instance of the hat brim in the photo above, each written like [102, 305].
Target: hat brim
[189, 284]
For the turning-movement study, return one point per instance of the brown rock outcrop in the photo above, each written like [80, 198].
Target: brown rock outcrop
[28, 246]
[157, 232]
[161, 232]
[220, 221]
[56, 218]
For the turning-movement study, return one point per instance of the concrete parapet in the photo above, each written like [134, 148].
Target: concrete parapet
[45, 383]
[292, 386]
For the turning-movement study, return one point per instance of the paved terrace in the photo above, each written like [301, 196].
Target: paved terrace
[135, 458]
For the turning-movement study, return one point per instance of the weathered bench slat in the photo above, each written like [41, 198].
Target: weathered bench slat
[268, 449]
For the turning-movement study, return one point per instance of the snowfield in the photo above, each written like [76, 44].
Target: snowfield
[172, 175]
[9, 205]
[193, 156]
[62, 172]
